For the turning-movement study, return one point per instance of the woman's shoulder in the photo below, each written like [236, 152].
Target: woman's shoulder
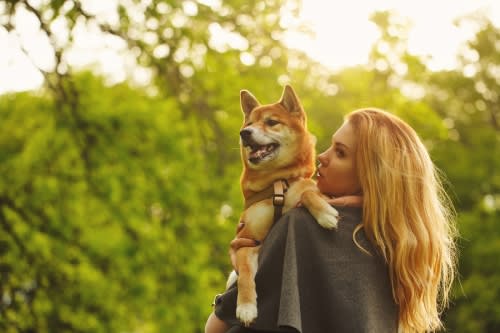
[349, 238]
[338, 267]
[348, 217]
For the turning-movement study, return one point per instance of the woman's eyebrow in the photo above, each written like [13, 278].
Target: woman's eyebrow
[340, 144]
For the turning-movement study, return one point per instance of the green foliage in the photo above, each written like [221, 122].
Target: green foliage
[99, 212]
[117, 203]
[476, 303]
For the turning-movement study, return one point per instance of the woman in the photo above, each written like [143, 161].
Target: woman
[389, 266]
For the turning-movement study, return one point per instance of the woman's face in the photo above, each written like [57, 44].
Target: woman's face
[337, 175]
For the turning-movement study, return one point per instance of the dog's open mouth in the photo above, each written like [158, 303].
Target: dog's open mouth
[258, 153]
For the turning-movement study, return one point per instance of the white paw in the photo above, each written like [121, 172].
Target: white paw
[328, 218]
[246, 313]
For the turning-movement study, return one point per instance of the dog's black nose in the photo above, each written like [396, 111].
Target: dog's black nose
[245, 134]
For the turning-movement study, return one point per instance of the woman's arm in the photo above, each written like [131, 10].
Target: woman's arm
[215, 325]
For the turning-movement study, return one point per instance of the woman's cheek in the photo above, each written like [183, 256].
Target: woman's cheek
[329, 187]
[321, 185]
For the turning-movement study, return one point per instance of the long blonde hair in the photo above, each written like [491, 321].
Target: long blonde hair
[407, 216]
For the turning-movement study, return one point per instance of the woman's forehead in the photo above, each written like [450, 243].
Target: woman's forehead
[345, 135]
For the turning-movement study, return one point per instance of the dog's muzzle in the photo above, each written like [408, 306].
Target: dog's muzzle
[257, 151]
[245, 135]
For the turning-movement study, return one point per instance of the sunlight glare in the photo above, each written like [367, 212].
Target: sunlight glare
[343, 33]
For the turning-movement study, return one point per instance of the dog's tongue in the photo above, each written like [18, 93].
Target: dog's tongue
[260, 152]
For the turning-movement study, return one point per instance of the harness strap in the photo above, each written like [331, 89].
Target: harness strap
[280, 187]
[276, 191]
[259, 196]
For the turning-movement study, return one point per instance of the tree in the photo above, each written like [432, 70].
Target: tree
[119, 200]
[112, 216]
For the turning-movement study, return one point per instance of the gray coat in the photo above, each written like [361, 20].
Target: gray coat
[312, 280]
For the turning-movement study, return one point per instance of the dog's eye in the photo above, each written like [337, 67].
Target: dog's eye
[272, 122]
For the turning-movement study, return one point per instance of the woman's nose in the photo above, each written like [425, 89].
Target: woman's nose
[322, 158]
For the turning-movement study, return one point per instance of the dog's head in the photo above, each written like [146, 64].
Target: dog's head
[274, 135]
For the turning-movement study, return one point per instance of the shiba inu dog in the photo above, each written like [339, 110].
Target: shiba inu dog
[278, 155]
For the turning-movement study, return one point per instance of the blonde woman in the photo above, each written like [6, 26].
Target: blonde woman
[388, 267]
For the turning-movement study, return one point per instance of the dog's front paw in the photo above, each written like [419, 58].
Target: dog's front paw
[246, 313]
[328, 218]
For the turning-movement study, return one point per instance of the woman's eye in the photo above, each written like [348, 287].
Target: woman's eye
[340, 152]
[272, 122]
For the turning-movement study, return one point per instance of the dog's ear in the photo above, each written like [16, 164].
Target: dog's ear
[248, 102]
[290, 101]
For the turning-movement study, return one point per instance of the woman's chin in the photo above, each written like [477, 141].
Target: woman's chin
[321, 186]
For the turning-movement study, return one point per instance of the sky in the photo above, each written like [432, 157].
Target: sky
[432, 33]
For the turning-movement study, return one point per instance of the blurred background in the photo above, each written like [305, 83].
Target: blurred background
[119, 159]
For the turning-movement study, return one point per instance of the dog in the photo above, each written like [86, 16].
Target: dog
[278, 156]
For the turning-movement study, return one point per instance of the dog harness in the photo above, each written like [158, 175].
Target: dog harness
[276, 191]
